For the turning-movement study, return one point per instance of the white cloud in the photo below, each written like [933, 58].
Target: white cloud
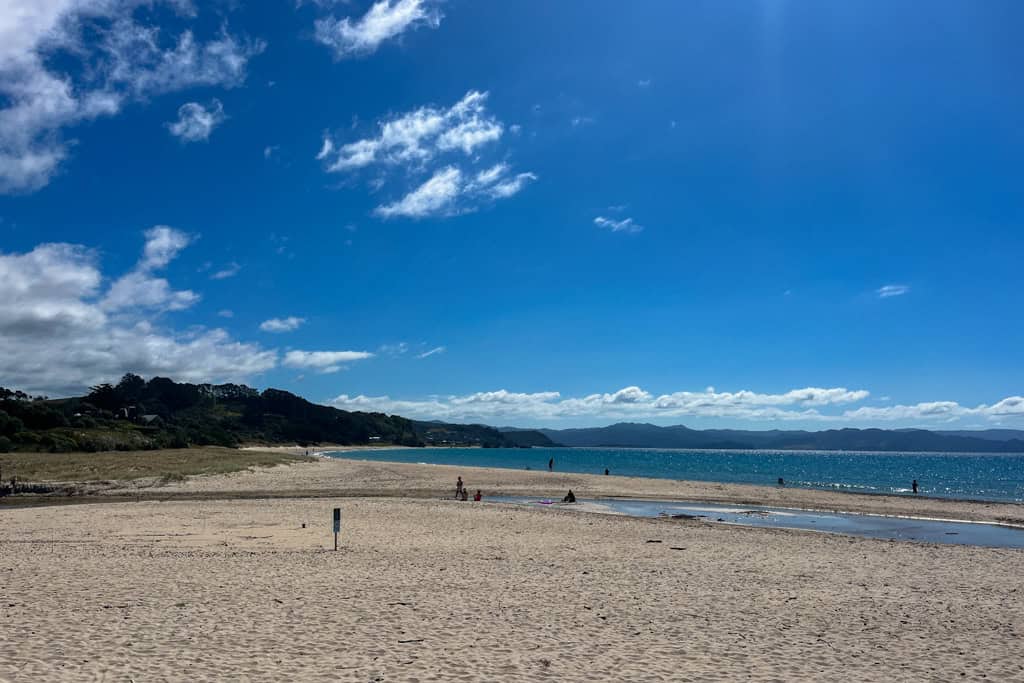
[624, 225]
[230, 270]
[430, 140]
[324, 362]
[577, 121]
[288, 324]
[226, 313]
[808, 404]
[633, 402]
[141, 288]
[643, 83]
[111, 59]
[629, 402]
[436, 196]
[940, 411]
[432, 352]
[418, 136]
[891, 290]
[384, 20]
[448, 192]
[61, 332]
[196, 122]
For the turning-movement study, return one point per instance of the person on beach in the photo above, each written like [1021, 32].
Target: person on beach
[569, 497]
[478, 497]
[914, 486]
[782, 482]
[551, 465]
[458, 487]
[606, 471]
[464, 494]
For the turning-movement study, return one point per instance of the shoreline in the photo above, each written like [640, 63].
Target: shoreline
[833, 489]
[794, 487]
[353, 477]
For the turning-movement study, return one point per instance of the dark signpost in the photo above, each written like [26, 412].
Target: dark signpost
[337, 526]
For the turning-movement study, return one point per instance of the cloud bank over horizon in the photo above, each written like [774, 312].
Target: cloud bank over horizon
[810, 404]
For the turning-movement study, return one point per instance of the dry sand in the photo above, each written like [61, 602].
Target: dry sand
[432, 590]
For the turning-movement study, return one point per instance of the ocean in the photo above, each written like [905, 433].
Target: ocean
[995, 477]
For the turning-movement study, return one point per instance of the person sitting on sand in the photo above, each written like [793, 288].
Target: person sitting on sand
[569, 497]
[478, 497]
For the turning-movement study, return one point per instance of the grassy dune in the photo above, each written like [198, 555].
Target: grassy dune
[169, 464]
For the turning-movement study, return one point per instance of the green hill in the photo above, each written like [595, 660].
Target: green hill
[136, 414]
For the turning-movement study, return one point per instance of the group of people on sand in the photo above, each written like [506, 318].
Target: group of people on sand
[462, 493]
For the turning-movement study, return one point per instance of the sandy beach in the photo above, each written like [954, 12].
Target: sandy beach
[425, 589]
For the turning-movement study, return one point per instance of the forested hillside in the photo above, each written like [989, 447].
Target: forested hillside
[138, 414]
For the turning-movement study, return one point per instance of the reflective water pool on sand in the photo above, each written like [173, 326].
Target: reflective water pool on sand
[869, 526]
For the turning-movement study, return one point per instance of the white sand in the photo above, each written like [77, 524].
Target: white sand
[430, 590]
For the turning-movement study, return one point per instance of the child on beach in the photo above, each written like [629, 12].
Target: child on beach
[478, 497]
[464, 494]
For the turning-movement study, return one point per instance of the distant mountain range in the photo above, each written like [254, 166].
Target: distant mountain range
[641, 435]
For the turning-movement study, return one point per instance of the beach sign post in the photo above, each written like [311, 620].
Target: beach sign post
[337, 527]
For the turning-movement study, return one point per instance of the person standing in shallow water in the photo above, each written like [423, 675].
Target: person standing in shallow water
[914, 486]
[551, 465]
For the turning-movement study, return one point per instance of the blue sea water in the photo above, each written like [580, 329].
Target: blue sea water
[967, 476]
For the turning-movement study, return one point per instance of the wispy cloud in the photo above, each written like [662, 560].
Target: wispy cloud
[324, 362]
[624, 225]
[577, 121]
[289, 324]
[230, 270]
[436, 196]
[384, 20]
[394, 350]
[891, 290]
[434, 142]
[643, 83]
[417, 137]
[432, 352]
[449, 192]
[196, 122]
[226, 313]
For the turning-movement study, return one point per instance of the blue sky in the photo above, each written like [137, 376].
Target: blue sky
[749, 214]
